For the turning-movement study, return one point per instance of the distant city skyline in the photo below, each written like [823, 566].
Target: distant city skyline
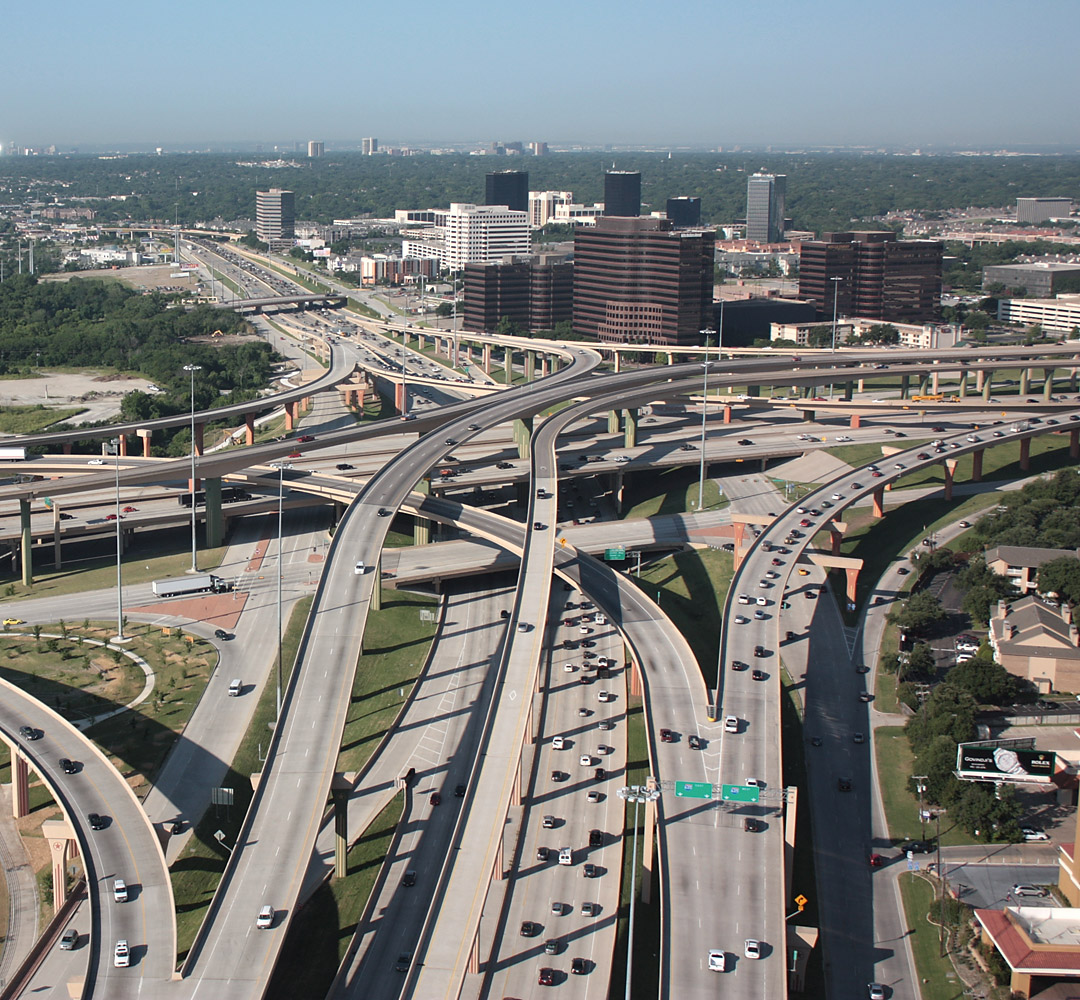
[697, 73]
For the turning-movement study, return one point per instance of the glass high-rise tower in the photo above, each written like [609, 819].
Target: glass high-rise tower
[765, 207]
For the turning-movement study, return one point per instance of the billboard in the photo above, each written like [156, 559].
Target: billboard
[1004, 763]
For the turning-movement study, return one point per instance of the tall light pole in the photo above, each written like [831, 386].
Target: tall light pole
[192, 369]
[281, 467]
[701, 475]
[836, 298]
[636, 794]
[119, 637]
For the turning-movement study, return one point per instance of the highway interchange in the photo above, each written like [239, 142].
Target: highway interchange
[531, 700]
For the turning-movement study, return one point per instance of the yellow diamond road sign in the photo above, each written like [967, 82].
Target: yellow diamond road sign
[801, 900]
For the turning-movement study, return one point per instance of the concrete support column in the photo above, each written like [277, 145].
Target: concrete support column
[26, 543]
[1025, 378]
[852, 574]
[738, 530]
[199, 428]
[20, 783]
[486, 362]
[122, 441]
[58, 850]
[613, 422]
[523, 427]
[879, 501]
[508, 364]
[515, 788]
[376, 587]
[924, 385]
[862, 385]
[808, 415]
[636, 687]
[215, 521]
[1074, 442]
[905, 385]
[976, 466]
[671, 359]
[620, 492]
[146, 434]
[836, 538]
[530, 365]
[856, 421]
[935, 382]
[290, 416]
[987, 386]
[630, 425]
[1048, 384]
[57, 559]
[963, 384]
[544, 365]
[949, 465]
[474, 957]
[500, 869]
[421, 530]
[399, 397]
[1025, 454]
[66, 447]
[727, 413]
[249, 428]
[980, 378]
[341, 829]
[618, 361]
[849, 391]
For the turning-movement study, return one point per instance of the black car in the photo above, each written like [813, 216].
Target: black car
[96, 821]
[68, 766]
[504, 465]
[694, 742]
[916, 847]
[844, 784]
[30, 733]
[542, 854]
[176, 827]
[596, 838]
[758, 675]
[459, 791]
[750, 825]
[559, 776]
[590, 871]
[529, 929]
[408, 879]
[385, 512]
[789, 635]
[759, 651]
[343, 466]
[745, 441]
[739, 665]
[578, 967]
[220, 633]
[599, 774]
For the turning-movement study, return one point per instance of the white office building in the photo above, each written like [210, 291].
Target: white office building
[471, 234]
[542, 205]
[1060, 315]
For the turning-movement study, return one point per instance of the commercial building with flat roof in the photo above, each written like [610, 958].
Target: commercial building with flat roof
[1060, 315]
[684, 212]
[469, 234]
[509, 188]
[536, 294]
[765, 197]
[315, 149]
[1036, 210]
[1038, 279]
[275, 217]
[879, 276]
[622, 193]
[639, 280]
[369, 146]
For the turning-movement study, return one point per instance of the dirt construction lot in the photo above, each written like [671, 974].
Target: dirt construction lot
[99, 392]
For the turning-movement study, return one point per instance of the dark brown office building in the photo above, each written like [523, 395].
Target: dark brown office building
[641, 281]
[509, 188]
[881, 277]
[535, 294]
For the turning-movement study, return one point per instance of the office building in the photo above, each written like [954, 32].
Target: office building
[1039, 280]
[535, 294]
[880, 277]
[684, 212]
[622, 193]
[314, 149]
[509, 188]
[1055, 316]
[275, 217]
[369, 146]
[471, 234]
[538, 148]
[765, 207]
[542, 205]
[1036, 210]
[641, 281]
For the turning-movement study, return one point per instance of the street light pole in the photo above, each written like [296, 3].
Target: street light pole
[636, 794]
[701, 473]
[192, 369]
[836, 298]
[281, 467]
[120, 637]
[920, 787]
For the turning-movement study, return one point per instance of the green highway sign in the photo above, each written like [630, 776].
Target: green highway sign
[694, 789]
[739, 793]
[612, 554]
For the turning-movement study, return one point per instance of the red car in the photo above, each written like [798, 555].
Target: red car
[110, 517]
[130, 510]
[876, 861]
[804, 523]
[922, 456]
[304, 438]
[667, 736]
[876, 474]
[547, 977]
[294, 454]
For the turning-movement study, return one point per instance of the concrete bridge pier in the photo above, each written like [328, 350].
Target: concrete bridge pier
[1074, 443]
[486, 359]
[962, 391]
[61, 838]
[852, 574]
[249, 429]
[523, 428]
[290, 416]
[905, 386]
[376, 588]
[26, 543]
[530, 366]
[935, 382]
[20, 781]
[987, 386]
[146, 434]
[340, 791]
[617, 355]
[849, 391]
[613, 422]
[808, 415]
[508, 362]
[879, 502]
[727, 413]
[1025, 454]
[976, 465]
[1025, 378]
[949, 465]
[856, 421]
[630, 425]
[1048, 384]
[215, 521]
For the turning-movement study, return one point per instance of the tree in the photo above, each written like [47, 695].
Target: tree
[983, 589]
[506, 327]
[921, 611]
[820, 336]
[977, 321]
[948, 711]
[881, 333]
[994, 817]
[1061, 577]
[444, 310]
[989, 683]
[920, 664]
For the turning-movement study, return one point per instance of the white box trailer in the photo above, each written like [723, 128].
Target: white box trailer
[196, 584]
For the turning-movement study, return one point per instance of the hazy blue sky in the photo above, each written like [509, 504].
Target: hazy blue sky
[961, 72]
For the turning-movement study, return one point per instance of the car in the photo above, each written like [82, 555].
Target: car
[558, 776]
[578, 967]
[304, 438]
[111, 517]
[548, 822]
[856, 486]
[865, 696]
[741, 620]
[902, 571]
[667, 736]
[916, 847]
[343, 466]
[858, 738]
[546, 977]
[409, 878]
[876, 861]
[596, 838]
[759, 651]
[599, 774]
[590, 909]
[778, 562]
[451, 441]
[538, 526]
[899, 434]
[385, 512]
[473, 427]
[861, 668]
[1024, 889]
[750, 825]
[758, 675]
[404, 960]
[459, 791]
[96, 461]
[875, 991]
[590, 871]
[606, 724]
[717, 961]
[760, 615]
[435, 799]
[68, 766]
[69, 939]
[745, 441]
[585, 760]
[121, 954]
[752, 948]
[220, 633]
[604, 696]
[764, 584]
[805, 523]
[584, 713]
[359, 568]
[592, 796]
[836, 496]
[176, 827]
[689, 447]
[130, 510]
[66, 517]
[1031, 834]
[693, 741]
[504, 465]
[843, 784]
[30, 733]
[739, 665]
[731, 724]
[552, 946]
[295, 454]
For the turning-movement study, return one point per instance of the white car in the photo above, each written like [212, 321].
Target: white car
[731, 724]
[96, 461]
[359, 568]
[875, 991]
[569, 668]
[121, 954]
[585, 760]
[741, 619]
[837, 496]
[752, 948]
[558, 743]
[762, 602]
[717, 961]
[842, 437]
[744, 598]
[603, 696]
[592, 796]
[1031, 834]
